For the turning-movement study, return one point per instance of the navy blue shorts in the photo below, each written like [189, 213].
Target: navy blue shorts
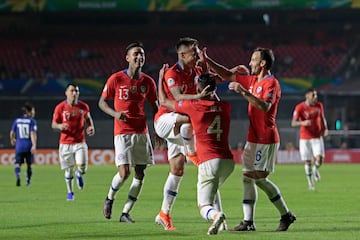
[24, 157]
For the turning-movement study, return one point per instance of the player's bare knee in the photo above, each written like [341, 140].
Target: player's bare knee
[177, 165]
[140, 172]
[177, 171]
[124, 171]
[249, 175]
[256, 174]
[181, 119]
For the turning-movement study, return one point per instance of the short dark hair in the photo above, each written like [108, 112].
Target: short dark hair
[71, 84]
[28, 107]
[186, 41]
[267, 55]
[310, 90]
[132, 45]
[207, 79]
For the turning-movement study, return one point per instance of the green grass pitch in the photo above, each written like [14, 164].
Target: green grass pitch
[41, 212]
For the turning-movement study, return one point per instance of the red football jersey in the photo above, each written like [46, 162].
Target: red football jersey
[74, 116]
[211, 123]
[129, 95]
[262, 128]
[313, 113]
[177, 77]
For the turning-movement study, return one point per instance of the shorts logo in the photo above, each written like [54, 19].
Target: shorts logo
[170, 82]
[121, 157]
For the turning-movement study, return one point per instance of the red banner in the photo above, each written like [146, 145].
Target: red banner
[106, 156]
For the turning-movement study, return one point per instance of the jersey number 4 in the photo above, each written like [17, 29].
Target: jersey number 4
[215, 128]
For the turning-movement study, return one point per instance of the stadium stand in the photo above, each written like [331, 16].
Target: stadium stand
[39, 53]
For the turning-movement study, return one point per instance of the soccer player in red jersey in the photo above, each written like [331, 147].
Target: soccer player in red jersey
[262, 90]
[210, 119]
[180, 84]
[70, 117]
[129, 89]
[309, 115]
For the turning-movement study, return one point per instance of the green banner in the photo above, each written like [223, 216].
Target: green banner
[167, 5]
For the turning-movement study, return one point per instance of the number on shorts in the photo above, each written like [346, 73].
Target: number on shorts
[258, 156]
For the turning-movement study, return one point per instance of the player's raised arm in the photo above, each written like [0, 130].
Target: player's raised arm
[163, 100]
[224, 72]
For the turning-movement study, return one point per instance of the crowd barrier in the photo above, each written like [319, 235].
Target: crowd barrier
[106, 156]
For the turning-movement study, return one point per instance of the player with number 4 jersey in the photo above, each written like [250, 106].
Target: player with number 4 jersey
[210, 119]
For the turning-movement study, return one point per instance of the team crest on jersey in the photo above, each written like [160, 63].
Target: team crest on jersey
[73, 113]
[133, 89]
[170, 82]
[259, 89]
[142, 89]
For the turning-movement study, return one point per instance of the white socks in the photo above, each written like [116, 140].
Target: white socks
[273, 192]
[208, 212]
[187, 134]
[308, 173]
[170, 191]
[134, 192]
[217, 201]
[249, 198]
[69, 179]
[116, 183]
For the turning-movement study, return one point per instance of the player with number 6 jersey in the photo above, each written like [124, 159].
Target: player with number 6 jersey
[262, 90]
